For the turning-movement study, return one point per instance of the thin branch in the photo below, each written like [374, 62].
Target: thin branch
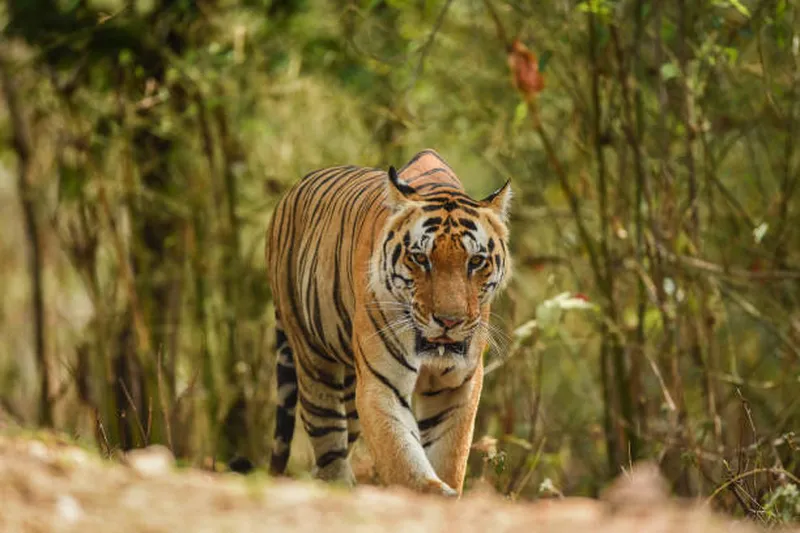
[139, 325]
[688, 119]
[702, 265]
[128, 396]
[165, 411]
[427, 45]
[751, 310]
[755, 471]
[498, 24]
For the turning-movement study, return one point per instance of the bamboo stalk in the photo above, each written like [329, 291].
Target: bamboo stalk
[23, 147]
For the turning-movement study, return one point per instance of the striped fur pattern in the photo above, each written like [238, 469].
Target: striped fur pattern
[383, 284]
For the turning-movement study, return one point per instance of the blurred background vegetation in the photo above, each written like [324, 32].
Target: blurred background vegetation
[653, 149]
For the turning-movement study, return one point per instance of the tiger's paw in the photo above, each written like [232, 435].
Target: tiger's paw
[435, 486]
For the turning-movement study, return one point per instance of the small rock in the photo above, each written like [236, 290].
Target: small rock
[152, 461]
[642, 487]
[38, 450]
[68, 509]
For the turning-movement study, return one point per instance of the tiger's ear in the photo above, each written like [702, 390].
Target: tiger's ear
[499, 201]
[398, 192]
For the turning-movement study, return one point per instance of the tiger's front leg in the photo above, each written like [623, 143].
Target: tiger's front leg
[385, 384]
[446, 410]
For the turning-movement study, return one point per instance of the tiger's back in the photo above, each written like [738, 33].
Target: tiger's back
[309, 261]
[310, 253]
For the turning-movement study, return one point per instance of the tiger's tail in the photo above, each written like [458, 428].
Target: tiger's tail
[286, 377]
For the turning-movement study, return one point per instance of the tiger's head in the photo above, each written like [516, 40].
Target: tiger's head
[442, 258]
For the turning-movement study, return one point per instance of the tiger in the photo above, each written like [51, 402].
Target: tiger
[382, 284]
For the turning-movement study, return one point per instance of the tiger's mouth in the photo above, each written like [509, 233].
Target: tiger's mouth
[440, 346]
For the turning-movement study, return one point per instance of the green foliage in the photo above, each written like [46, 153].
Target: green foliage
[782, 505]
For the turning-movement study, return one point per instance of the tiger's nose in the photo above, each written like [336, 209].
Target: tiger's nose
[447, 321]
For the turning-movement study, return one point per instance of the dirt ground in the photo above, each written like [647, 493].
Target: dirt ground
[47, 485]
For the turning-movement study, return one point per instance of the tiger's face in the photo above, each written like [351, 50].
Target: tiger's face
[442, 259]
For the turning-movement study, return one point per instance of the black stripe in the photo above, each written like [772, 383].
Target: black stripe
[284, 424]
[320, 376]
[434, 186]
[285, 374]
[320, 431]
[383, 379]
[389, 344]
[436, 392]
[432, 441]
[432, 421]
[396, 254]
[455, 197]
[433, 172]
[404, 189]
[318, 411]
[329, 457]
[280, 338]
[467, 223]
[420, 155]
[345, 346]
[338, 302]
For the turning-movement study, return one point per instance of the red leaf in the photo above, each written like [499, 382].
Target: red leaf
[525, 69]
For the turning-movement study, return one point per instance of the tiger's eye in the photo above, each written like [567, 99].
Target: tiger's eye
[476, 262]
[420, 259]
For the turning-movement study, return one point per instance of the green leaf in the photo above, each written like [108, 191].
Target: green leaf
[740, 7]
[669, 71]
[652, 320]
[732, 54]
[520, 113]
[125, 57]
[596, 7]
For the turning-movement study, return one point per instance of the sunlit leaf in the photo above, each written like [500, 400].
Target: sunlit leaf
[669, 71]
[520, 113]
[732, 54]
[760, 231]
[740, 7]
